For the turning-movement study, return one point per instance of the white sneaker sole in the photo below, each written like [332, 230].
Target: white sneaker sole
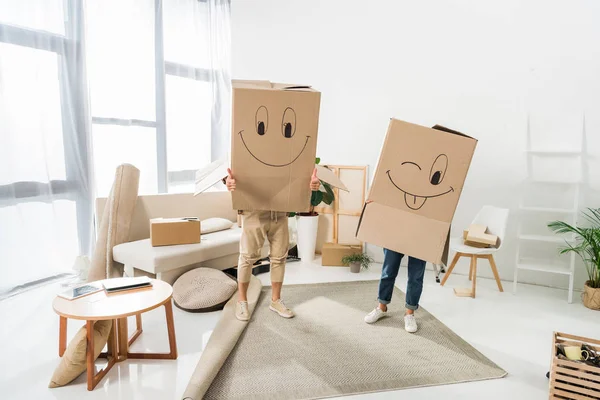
[410, 330]
[280, 314]
[242, 318]
[372, 322]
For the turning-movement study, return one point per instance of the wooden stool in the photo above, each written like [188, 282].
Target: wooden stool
[472, 273]
[116, 307]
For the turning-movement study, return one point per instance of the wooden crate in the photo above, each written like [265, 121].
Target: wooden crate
[573, 380]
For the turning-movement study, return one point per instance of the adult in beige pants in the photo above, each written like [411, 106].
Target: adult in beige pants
[256, 227]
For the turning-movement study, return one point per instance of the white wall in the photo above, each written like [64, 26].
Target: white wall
[481, 67]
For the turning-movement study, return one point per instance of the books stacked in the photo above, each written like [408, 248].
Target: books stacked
[125, 284]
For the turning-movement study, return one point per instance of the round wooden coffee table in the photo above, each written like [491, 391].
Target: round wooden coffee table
[116, 307]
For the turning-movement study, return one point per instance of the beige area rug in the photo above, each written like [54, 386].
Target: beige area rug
[328, 350]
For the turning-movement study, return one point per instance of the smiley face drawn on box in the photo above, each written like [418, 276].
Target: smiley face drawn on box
[422, 170]
[274, 139]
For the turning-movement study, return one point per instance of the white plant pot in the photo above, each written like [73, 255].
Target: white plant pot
[307, 237]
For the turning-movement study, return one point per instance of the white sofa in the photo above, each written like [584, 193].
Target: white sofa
[218, 250]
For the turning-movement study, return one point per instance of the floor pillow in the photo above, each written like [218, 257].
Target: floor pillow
[203, 290]
[73, 362]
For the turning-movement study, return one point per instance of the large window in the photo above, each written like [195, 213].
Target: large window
[45, 205]
[150, 88]
[86, 85]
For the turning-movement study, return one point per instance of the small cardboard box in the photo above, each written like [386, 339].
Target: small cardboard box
[332, 253]
[273, 145]
[171, 231]
[472, 244]
[477, 234]
[415, 191]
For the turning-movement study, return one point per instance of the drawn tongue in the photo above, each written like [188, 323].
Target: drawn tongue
[414, 202]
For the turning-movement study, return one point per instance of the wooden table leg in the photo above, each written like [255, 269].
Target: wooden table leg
[138, 329]
[91, 367]
[172, 355]
[171, 329]
[123, 339]
[62, 336]
[92, 378]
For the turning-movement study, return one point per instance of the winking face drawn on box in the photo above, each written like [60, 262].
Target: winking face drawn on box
[416, 189]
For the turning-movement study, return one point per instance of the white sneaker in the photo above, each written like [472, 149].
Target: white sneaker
[410, 323]
[280, 308]
[241, 311]
[375, 315]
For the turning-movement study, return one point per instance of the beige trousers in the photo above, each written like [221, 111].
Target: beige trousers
[256, 227]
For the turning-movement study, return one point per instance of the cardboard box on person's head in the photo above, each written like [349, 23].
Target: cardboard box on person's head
[415, 191]
[273, 145]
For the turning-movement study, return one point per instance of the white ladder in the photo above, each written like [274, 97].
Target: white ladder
[532, 264]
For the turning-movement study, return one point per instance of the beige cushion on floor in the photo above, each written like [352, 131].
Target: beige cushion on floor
[73, 362]
[215, 224]
[203, 290]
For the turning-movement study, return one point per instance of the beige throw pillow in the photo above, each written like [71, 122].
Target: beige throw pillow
[73, 362]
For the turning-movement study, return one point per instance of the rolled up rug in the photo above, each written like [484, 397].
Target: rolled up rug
[222, 341]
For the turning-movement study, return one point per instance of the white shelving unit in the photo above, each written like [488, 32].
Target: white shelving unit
[531, 264]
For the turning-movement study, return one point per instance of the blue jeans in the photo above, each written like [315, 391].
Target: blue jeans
[389, 272]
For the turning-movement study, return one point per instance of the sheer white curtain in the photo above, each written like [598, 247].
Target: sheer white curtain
[86, 85]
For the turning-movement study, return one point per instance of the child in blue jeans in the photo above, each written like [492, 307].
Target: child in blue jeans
[414, 287]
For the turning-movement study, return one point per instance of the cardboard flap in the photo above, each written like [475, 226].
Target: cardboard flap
[328, 176]
[210, 175]
[448, 130]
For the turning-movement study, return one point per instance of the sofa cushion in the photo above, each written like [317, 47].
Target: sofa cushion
[203, 290]
[211, 225]
[141, 255]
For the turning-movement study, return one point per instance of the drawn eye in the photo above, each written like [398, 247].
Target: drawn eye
[438, 169]
[262, 120]
[288, 125]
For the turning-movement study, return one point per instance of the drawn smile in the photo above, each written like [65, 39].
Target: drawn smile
[273, 165]
[414, 201]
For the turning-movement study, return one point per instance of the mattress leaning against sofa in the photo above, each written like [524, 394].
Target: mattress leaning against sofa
[215, 250]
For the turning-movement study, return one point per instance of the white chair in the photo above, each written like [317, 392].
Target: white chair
[495, 219]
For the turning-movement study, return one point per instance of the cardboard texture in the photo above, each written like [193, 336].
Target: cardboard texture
[473, 244]
[332, 253]
[415, 191]
[273, 145]
[171, 231]
[327, 175]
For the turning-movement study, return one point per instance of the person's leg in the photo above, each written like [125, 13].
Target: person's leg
[251, 242]
[278, 235]
[414, 286]
[389, 272]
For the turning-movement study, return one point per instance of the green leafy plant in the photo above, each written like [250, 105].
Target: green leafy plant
[364, 260]
[587, 243]
[317, 197]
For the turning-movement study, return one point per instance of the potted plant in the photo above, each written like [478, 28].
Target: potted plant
[308, 223]
[586, 246]
[357, 262]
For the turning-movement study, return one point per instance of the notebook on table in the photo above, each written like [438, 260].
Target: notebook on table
[123, 284]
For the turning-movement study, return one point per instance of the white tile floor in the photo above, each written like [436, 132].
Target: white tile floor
[513, 331]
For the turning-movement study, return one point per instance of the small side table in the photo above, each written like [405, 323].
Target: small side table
[116, 307]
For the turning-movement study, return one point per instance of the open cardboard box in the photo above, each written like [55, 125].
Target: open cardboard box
[273, 148]
[417, 185]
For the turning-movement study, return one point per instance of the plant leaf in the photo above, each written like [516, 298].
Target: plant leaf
[328, 189]
[316, 198]
[317, 160]
[327, 198]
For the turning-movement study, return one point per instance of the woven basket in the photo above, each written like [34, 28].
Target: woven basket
[591, 297]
